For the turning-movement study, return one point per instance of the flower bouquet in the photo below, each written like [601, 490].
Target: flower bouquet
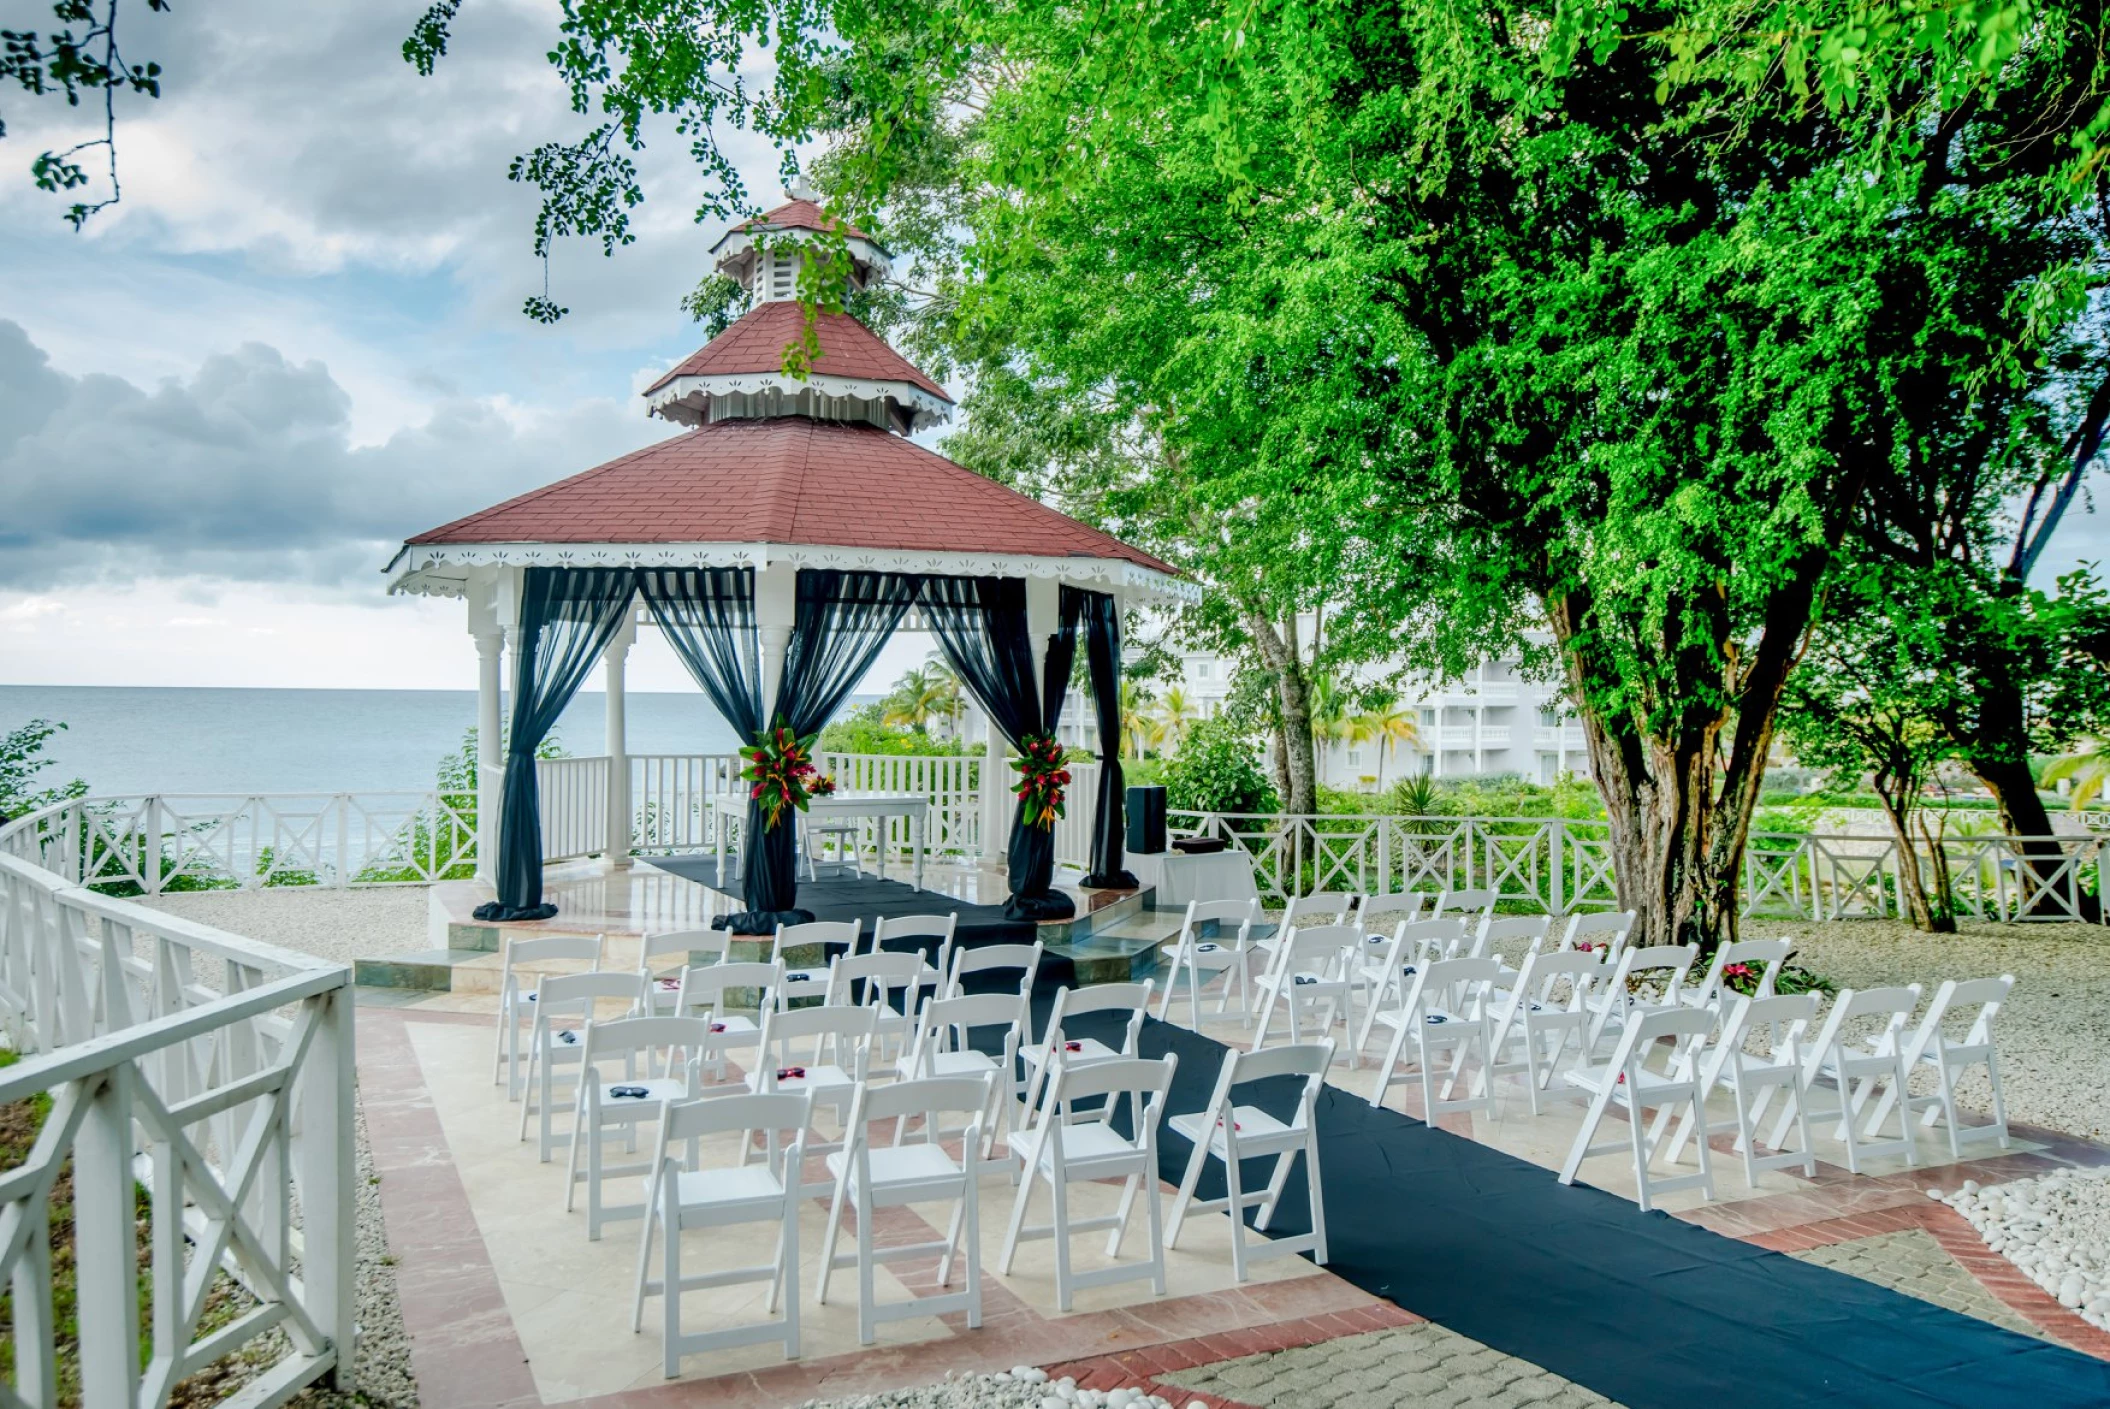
[823, 785]
[1043, 778]
[780, 766]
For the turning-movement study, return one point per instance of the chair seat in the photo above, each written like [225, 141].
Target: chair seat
[564, 1039]
[1205, 955]
[805, 976]
[1592, 1079]
[824, 1077]
[1253, 1124]
[1088, 1049]
[658, 1091]
[717, 1188]
[961, 1063]
[899, 1164]
[1081, 1143]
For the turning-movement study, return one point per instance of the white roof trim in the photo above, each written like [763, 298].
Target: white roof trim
[442, 569]
[928, 410]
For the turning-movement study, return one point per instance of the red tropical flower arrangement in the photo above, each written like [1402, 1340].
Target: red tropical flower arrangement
[780, 765]
[823, 785]
[1043, 778]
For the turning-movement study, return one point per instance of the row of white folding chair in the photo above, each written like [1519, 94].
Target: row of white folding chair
[848, 936]
[1930, 1045]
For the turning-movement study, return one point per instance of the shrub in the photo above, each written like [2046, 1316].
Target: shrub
[863, 729]
[1217, 769]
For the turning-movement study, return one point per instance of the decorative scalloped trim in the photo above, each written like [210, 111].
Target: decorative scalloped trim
[420, 569]
[928, 410]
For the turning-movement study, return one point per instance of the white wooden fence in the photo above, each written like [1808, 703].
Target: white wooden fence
[216, 1072]
[1559, 865]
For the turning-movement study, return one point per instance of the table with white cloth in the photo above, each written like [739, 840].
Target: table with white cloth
[839, 806]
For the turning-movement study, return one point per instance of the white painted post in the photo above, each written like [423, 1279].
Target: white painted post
[105, 1249]
[327, 1174]
[617, 746]
[996, 816]
[776, 612]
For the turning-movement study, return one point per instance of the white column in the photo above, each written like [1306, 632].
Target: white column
[776, 611]
[616, 744]
[996, 793]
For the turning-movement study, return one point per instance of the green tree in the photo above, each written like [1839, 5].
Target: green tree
[21, 761]
[1218, 770]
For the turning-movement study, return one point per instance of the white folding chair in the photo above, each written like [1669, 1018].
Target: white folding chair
[516, 994]
[995, 958]
[678, 1199]
[920, 930]
[707, 992]
[694, 948]
[1533, 1015]
[1321, 907]
[1444, 1011]
[1757, 1055]
[1509, 940]
[1759, 959]
[885, 982]
[1858, 1073]
[676, 1047]
[1642, 977]
[942, 1048]
[842, 1043]
[1628, 1081]
[842, 838]
[1056, 1047]
[1062, 1152]
[1230, 1133]
[1388, 964]
[869, 1178]
[1387, 913]
[807, 980]
[1313, 979]
[1598, 932]
[1930, 1044]
[564, 1005]
[1223, 963]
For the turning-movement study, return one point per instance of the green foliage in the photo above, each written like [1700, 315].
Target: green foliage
[21, 761]
[864, 729]
[1217, 770]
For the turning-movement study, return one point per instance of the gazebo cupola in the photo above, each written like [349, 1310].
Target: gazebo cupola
[740, 374]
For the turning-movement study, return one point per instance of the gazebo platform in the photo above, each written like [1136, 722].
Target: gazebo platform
[1113, 937]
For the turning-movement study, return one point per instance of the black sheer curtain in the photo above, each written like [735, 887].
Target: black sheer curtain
[844, 619]
[1100, 616]
[567, 616]
[980, 623]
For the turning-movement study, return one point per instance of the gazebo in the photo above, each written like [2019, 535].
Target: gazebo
[777, 544]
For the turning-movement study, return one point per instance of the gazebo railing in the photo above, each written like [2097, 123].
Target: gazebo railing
[210, 1070]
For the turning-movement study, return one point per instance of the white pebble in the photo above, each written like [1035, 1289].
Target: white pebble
[2055, 1229]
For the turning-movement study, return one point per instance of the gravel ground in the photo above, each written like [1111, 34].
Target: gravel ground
[1022, 1388]
[2053, 1032]
[340, 925]
[2056, 1229]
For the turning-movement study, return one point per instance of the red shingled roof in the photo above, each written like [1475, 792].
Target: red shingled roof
[801, 215]
[756, 344]
[789, 480]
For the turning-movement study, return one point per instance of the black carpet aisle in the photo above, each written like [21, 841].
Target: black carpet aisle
[866, 897]
[1645, 1309]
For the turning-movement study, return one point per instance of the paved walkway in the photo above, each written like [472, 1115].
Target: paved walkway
[1307, 1340]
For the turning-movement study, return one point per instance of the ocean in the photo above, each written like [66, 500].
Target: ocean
[126, 741]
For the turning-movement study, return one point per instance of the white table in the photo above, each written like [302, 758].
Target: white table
[845, 805]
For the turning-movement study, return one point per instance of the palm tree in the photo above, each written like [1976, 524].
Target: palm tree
[946, 690]
[1328, 706]
[2089, 768]
[1135, 722]
[1174, 713]
[1390, 725]
[917, 698]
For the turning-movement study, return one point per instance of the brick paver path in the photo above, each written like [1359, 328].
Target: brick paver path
[1912, 1262]
[1423, 1365]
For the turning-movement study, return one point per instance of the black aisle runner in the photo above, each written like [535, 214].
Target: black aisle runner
[866, 898]
[1642, 1308]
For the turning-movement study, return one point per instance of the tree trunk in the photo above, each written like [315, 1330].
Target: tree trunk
[1998, 753]
[1912, 893]
[1679, 805]
[1278, 648]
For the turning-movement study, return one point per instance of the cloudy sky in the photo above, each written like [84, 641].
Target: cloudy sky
[298, 340]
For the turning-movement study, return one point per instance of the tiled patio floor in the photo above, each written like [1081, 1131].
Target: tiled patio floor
[509, 1304]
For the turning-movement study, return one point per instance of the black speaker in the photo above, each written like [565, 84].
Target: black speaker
[1146, 821]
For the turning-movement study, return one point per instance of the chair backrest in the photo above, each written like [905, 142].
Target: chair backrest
[1761, 956]
[542, 948]
[924, 1095]
[1673, 962]
[1955, 997]
[1479, 898]
[1686, 1028]
[685, 943]
[1598, 929]
[1501, 936]
[705, 985]
[1894, 1005]
[1783, 1018]
[1308, 1059]
[1387, 911]
[569, 995]
[1459, 984]
[1131, 1076]
[1542, 972]
[981, 959]
[1328, 907]
[780, 1112]
[843, 933]
[848, 1029]
[944, 1023]
[1239, 913]
[940, 927]
[1314, 943]
[1132, 999]
[1437, 938]
[628, 1037]
[881, 971]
